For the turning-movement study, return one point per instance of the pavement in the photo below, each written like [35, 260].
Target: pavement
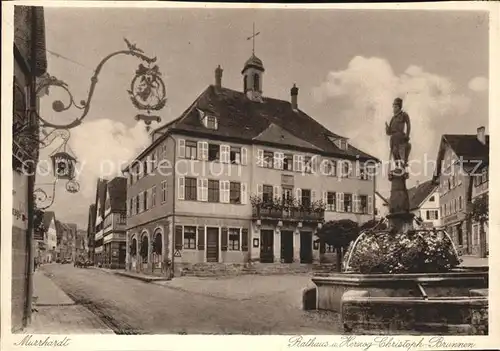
[191, 305]
[56, 313]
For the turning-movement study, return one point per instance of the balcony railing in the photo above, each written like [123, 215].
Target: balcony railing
[287, 214]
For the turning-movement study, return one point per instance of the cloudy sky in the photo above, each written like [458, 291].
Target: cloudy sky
[349, 65]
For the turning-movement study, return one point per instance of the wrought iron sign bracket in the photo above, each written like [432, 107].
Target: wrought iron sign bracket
[147, 82]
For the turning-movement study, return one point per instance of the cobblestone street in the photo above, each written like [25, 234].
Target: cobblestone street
[239, 305]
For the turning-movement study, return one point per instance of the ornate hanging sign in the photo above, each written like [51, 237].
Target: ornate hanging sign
[147, 89]
[148, 93]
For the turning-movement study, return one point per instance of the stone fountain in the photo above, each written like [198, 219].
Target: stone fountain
[409, 291]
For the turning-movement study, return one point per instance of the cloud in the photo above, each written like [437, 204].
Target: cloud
[102, 147]
[361, 97]
[478, 84]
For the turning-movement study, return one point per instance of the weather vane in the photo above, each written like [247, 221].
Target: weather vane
[253, 38]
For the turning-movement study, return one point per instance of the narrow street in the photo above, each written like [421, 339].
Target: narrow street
[129, 306]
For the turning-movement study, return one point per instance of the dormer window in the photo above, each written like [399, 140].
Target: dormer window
[211, 122]
[339, 142]
[208, 121]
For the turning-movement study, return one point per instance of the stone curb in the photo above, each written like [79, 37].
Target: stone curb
[146, 279]
[142, 278]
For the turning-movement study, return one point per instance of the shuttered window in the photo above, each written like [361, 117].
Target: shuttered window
[178, 237]
[244, 156]
[182, 147]
[244, 239]
[201, 238]
[224, 239]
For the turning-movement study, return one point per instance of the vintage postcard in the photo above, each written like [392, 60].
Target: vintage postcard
[249, 176]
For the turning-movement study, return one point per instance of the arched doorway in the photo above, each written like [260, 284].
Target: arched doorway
[133, 253]
[144, 252]
[157, 249]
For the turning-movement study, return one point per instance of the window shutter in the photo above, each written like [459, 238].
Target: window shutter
[244, 156]
[227, 191]
[313, 196]
[141, 202]
[276, 192]
[178, 237]
[314, 164]
[205, 151]
[325, 197]
[205, 189]
[340, 202]
[298, 195]
[260, 190]
[244, 193]
[221, 191]
[201, 238]
[180, 188]
[370, 204]
[182, 147]
[199, 189]
[260, 157]
[199, 150]
[224, 153]
[244, 239]
[224, 239]
[276, 160]
[356, 206]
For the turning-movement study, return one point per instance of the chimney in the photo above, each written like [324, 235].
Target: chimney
[218, 77]
[481, 135]
[294, 92]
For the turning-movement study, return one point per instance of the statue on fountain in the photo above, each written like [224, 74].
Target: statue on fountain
[400, 139]
[399, 204]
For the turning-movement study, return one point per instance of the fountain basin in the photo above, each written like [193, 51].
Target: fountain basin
[365, 314]
[406, 302]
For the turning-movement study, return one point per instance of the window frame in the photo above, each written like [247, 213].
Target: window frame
[190, 145]
[188, 189]
[234, 186]
[230, 243]
[212, 190]
[190, 240]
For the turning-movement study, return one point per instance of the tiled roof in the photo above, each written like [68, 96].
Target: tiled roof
[468, 146]
[117, 190]
[419, 193]
[239, 117]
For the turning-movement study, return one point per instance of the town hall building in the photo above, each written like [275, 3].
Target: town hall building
[241, 177]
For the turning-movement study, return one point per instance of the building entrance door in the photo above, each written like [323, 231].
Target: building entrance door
[212, 244]
[287, 246]
[306, 247]
[266, 246]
